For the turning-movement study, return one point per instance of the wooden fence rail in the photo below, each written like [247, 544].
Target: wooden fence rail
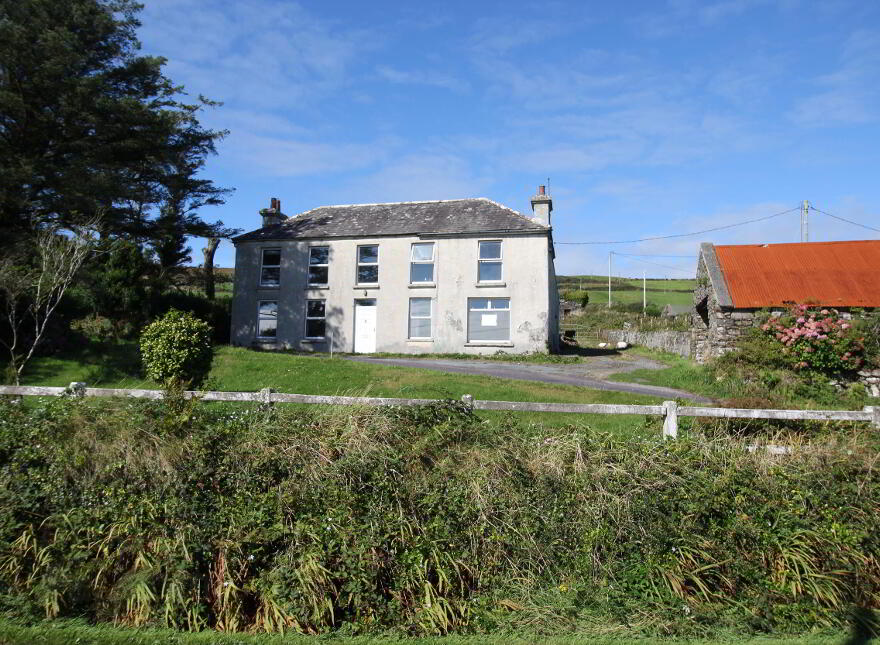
[669, 410]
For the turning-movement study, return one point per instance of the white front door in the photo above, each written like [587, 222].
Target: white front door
[365, 326]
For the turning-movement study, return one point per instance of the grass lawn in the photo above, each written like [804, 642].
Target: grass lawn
[237, 369]
[681, 373]
[68, 632]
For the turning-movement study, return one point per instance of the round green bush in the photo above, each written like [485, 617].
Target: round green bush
[176, 348]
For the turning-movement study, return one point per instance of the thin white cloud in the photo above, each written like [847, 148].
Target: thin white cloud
[259, 53]
[435, 79]
[270, 156]
[419, 176]
[851, 93]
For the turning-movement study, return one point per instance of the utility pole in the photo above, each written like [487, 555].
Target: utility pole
[644, 294]
[609, 279]
[805, 228]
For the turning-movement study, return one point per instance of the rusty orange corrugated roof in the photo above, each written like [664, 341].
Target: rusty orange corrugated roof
[832, 274]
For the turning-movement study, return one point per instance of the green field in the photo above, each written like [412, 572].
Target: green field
[237, 369]
[627, 290]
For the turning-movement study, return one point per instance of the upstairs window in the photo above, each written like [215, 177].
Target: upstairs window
[319, 261]
[270, 270]
[267, 319]
[421, 267]
[368, 264]
[489, 264]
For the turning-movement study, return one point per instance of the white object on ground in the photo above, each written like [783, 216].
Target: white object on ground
[622, 344]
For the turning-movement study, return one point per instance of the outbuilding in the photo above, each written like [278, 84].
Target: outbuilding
[734, 282]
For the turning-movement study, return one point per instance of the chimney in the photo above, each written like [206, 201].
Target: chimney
[542, 206]
[273, 214]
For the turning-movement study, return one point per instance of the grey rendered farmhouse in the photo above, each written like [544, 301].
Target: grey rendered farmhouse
[454, 276]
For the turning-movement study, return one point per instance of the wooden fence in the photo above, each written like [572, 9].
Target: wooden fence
[669, 410]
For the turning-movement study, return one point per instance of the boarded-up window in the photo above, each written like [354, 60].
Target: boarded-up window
[488, 319]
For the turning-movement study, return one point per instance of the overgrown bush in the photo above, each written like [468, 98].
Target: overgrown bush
[217, 313]
[818, 340]
[363, 520]
[177, 348]
[94, 328]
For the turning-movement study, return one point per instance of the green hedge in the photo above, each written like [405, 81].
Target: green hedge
[422, 521]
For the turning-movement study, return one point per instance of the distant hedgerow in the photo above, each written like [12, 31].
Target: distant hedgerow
[176, 348]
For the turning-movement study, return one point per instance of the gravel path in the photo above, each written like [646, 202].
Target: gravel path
[590, 373]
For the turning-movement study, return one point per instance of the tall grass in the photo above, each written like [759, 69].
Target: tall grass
[423, 521]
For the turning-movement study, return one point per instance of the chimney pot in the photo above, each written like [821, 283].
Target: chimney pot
[272, 215]
[542, 205]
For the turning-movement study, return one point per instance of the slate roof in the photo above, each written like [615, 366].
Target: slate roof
[835, 274]
[475, 215]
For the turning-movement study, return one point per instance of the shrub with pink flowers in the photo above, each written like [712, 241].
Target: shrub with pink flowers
[817, 339]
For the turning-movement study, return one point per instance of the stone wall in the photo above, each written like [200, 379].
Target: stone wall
[871, 380]
[716, 329]
[675, 342]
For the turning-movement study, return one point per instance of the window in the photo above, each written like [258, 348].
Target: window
[419, 317]
[489, 264]
[421, 268]
[319, 259]
[267, 319]
[488, 319]
[316, 321]
[270, 271]
[368, 264]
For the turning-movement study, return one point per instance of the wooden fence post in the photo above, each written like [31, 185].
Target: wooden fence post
[670, 422]
[266, 397]
[468, 400]
[875, 414]
[77, 388]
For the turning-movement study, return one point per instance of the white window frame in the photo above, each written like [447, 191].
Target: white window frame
[499, 260]
[260, 317]
[263, 265]
[307, 318]
[310, 265]
[359, 264]
[413, 261]
[429, 318]
[490, 308]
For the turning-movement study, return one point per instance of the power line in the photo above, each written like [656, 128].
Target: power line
[843, 219]
[656, 264]
[656, 255]
[708, 230]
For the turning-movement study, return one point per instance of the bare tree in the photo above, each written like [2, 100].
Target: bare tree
[32, 293]
[208, 252]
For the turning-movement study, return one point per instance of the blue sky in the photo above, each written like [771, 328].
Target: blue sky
[649, 118]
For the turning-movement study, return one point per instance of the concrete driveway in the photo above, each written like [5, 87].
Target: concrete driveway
[591, 372]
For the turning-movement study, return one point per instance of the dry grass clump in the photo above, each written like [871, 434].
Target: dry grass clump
[425, 520]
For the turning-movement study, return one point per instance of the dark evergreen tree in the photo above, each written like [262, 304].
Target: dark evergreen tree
[87, 125]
